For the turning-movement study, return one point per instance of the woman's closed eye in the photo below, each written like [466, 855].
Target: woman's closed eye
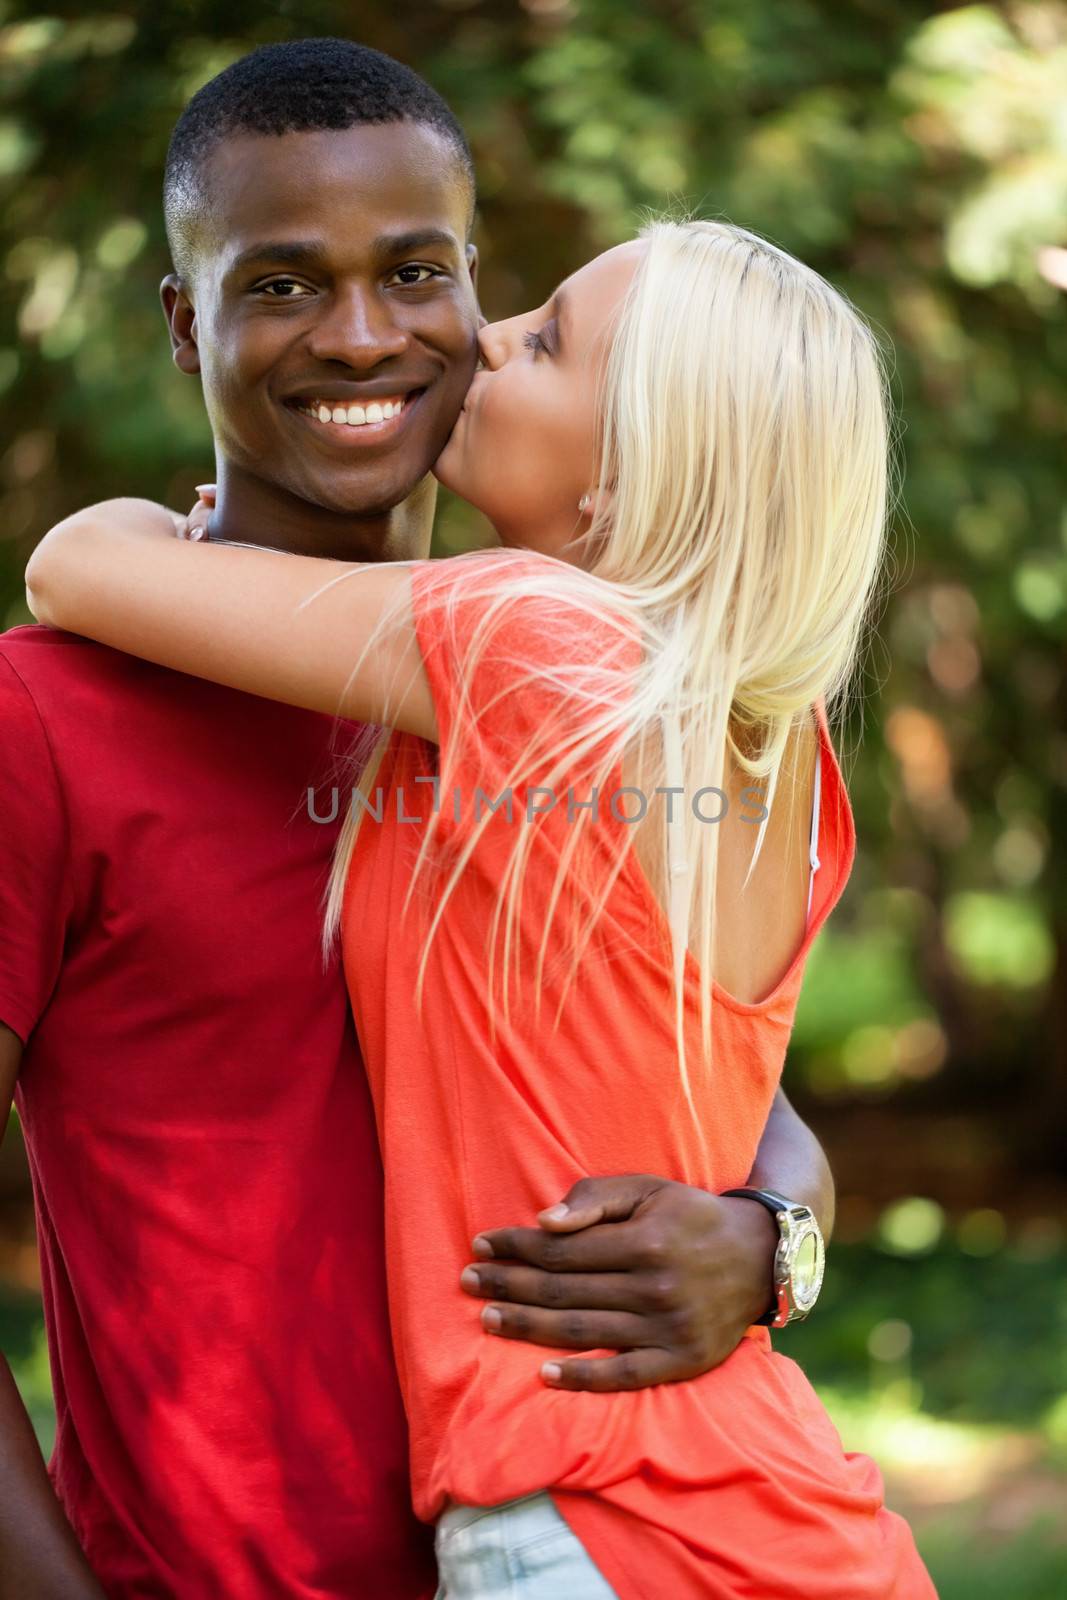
[540, 340]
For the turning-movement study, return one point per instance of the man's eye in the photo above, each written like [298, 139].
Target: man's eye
[283, 289]
[405, 275]
[533, 341]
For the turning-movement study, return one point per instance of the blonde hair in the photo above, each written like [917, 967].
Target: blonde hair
[744, 435]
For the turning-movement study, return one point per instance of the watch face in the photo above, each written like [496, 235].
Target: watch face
[807, 1270]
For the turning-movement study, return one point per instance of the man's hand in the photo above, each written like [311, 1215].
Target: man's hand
[668, 1275]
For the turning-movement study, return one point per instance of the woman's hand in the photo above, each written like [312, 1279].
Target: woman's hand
[195, 525]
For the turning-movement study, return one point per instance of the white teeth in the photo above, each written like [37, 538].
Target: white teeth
[355, 416]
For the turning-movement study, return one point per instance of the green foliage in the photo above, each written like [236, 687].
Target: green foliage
[959, 1322]
[22, 1340]
[1032, 1566]
[917, 159]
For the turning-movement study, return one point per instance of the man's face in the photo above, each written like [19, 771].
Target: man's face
[335, 278]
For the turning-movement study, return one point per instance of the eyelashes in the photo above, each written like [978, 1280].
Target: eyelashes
[544, 340]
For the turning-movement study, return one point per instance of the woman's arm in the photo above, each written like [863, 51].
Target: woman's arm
[252, 619]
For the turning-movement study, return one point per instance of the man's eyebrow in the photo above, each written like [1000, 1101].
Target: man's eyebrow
[402, 244]
[309, 253]
[287, 252]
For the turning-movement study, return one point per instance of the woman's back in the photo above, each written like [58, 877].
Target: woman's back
[759, 923]
[475, 1128]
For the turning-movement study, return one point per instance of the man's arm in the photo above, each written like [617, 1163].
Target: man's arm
[791, 1161]
[668, 1275]
[39, 1556]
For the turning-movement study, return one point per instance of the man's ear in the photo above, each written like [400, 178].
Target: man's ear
[472, 268]
[181, 323]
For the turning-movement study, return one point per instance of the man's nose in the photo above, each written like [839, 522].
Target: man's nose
[357, 328]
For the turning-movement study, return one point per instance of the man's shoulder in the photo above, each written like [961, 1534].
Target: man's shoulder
[36, 655]
[31, 642]
[74, 681]
[32, 634]
[43, 657]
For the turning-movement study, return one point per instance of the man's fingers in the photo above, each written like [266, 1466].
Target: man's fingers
[563, 1218]
[593, 1200]
[552, 1291]
[609, 1247]
[565, 1330]
[634, 1369]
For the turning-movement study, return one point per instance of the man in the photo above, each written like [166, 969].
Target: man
[196, 1114]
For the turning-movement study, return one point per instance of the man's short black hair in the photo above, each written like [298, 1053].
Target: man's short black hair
[306, 86]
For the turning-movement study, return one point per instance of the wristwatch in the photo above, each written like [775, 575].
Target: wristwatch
[799, 1261]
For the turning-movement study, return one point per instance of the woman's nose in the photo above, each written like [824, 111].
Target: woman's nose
[494, 346]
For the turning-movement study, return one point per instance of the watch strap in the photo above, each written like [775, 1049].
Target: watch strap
[774, 1203]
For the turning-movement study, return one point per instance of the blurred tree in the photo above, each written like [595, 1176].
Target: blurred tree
[916, 157]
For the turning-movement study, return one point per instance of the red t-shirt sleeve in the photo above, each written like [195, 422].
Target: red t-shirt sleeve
[33, 859]
[510, 679]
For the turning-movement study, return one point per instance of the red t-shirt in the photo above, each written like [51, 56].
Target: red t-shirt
[205, 1167]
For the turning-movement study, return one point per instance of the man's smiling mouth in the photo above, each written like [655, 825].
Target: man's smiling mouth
[369, 418]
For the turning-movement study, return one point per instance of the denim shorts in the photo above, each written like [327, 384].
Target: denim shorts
[521, 1550]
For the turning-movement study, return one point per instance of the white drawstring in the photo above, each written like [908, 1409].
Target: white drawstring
[677, 856]
[813, 843]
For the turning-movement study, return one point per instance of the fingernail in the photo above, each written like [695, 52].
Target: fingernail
[470, 1279]
[481, 1246]
[491, 1319]
[204, 488]
[557, 1213]
[552, 1372]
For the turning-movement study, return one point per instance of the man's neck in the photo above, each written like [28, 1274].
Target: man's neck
[252, 511]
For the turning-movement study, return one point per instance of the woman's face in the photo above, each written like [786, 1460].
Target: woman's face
[524, 448]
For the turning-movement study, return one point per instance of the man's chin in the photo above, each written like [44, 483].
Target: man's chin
[364, 500]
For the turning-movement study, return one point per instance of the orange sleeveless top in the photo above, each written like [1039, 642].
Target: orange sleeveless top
[732, 1484]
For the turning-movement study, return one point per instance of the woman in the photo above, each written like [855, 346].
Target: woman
[563, 968]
